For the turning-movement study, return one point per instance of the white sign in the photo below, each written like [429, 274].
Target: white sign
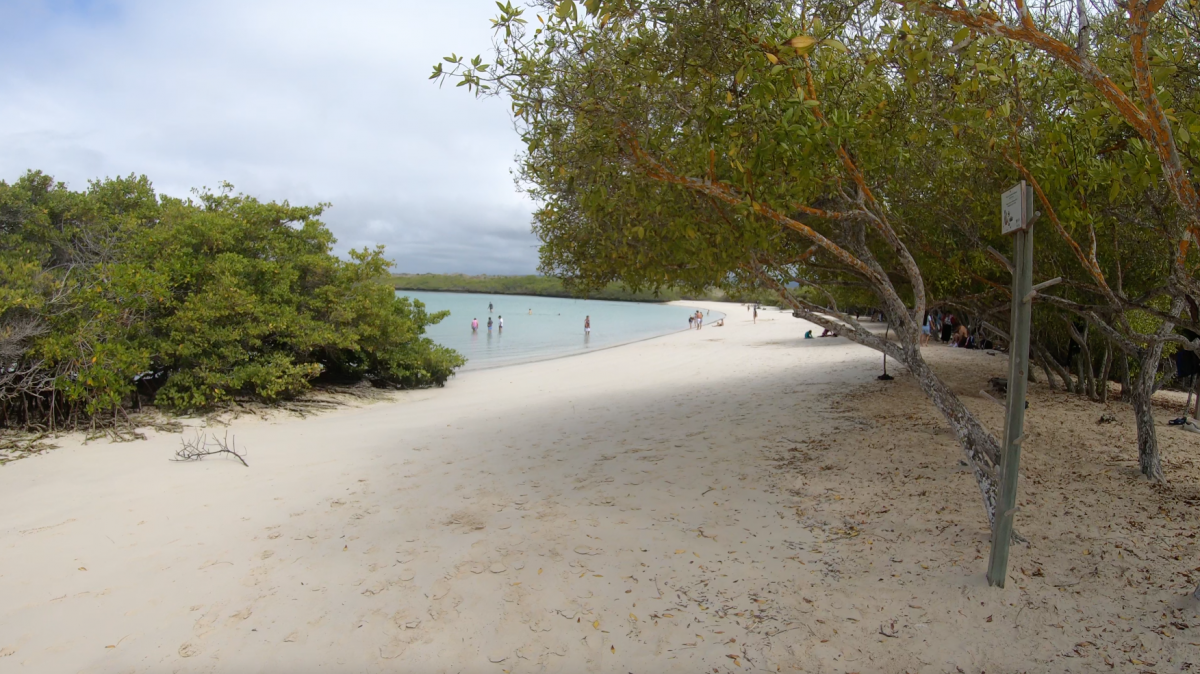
[1012, 209]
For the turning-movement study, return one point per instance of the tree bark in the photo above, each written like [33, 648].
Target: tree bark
[1046, 369]
[1125, 394]
[982, 449]
[1149, 461]
[1048, 357]
[980, 446]
[1102, 382]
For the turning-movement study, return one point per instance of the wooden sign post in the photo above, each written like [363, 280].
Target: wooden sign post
[1017, 215]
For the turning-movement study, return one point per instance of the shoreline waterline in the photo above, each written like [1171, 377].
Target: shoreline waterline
[537, 328]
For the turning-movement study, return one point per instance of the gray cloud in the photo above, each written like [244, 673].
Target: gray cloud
[286, 99]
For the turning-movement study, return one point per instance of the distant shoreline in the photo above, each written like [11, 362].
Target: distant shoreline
[546, 286]
[514, 293]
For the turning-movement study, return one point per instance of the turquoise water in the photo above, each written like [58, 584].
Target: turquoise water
[536, 328]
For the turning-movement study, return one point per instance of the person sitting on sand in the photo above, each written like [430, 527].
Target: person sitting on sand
[829, 333]
[808, 335]
[961, 336]
[474, 325]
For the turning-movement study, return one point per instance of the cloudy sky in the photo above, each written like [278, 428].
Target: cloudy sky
[287, 99]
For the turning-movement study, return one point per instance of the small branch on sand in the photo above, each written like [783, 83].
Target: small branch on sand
[200, 447]
[893, 635]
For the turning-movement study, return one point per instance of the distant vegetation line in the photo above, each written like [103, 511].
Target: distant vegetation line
[548, 286]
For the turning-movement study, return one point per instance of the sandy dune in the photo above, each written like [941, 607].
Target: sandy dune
[670, 505]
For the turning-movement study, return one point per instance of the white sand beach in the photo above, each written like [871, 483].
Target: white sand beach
[731, 499]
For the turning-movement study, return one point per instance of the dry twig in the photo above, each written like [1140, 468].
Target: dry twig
[200, 447]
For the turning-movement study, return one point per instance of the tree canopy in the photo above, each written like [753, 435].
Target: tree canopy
[115, 294]
[845, 152]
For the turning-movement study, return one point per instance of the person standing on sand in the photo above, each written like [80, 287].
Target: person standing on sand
[699, 320]
[587, 325]
[489, 323]
[474, 325]
[691, 321]
[756, 315]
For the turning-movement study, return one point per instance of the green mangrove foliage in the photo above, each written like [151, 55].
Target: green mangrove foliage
[858, 150]
[115, 295]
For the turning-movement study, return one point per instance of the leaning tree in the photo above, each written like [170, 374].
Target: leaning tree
[737, 142]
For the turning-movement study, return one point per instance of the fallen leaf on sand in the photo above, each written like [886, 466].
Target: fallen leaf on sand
[633, 617]
[613, 649]
[539, 572]
[187, 650]
[680, 552]
[596, 624]
[83, 568]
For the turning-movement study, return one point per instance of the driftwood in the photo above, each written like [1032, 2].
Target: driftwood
[201, 446]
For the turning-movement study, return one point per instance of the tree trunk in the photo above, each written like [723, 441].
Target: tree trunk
[1149, 460]
[1084, 365]
[1090, 371]
[1102, 383]
[1125, 393]
[980, 446]
[1048, 357]
[1046, 369]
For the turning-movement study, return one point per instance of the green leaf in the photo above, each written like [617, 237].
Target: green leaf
[836, 44]
[802, 43]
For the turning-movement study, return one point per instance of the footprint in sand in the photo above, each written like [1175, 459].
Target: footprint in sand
[375, 588]
[407, 575]
[392, 650]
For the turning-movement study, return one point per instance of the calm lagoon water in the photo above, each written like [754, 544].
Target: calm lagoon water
[553, 329]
